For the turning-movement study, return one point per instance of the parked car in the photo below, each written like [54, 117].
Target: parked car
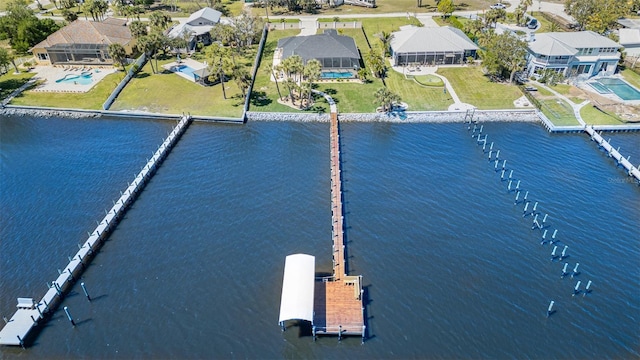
[533, 23]
[498, 6]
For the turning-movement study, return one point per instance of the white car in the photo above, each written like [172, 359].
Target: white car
[498, 6]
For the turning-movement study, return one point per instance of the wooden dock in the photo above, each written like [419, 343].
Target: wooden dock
[19, 328]
[614, 153]
[338, 299]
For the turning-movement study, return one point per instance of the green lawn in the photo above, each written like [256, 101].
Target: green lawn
[592, 116]
[631, 77]
[93, 99]
[416, 96]
[10, 82]
[429, 80]
[169, 93]
[472, 87]
[558, 111]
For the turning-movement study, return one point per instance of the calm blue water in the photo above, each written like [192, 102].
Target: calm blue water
[82, 79]
[336, 75]
[195, 269]
[618, 87]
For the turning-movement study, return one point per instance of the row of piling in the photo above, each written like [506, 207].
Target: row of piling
[539, 221]
[16, 330]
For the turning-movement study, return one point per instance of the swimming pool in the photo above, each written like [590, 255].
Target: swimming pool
[185, 69]
[82, 79]
[616, 86]
[336, 75]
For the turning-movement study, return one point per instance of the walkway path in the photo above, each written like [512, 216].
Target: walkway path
[576, 107]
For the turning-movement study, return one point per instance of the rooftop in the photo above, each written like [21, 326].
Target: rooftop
[106, 32]
[328, 44]
[418, 39]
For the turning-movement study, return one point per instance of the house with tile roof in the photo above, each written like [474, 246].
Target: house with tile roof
[582, 54]
[197, 28]
[333, 51]
[444, 45]
[83, 42]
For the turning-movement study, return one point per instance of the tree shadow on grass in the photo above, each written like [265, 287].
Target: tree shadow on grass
[142, 75]
[8, 86]
[259, 98]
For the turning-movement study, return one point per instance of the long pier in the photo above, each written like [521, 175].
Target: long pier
[30, 313]
[338, 303]
[614, 153]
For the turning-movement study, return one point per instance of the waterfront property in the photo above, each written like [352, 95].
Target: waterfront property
[83, 43]
[334, 52]
[197, 28]
[430, 46]
[581, 54]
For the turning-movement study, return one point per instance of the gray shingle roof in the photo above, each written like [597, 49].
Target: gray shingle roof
[326, 45]
[430, 39]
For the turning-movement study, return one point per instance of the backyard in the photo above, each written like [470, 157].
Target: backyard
[467, 82]
[93, 99]
[10, 82]
[166, 92]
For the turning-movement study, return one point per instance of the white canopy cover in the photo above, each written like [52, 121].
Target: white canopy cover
[297, 288]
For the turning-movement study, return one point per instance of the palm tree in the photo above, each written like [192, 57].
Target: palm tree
[118, 54]
[242, 78]
[275, 77]
[376, 62]
[217, 56]
[385, 39]
[159, 20]
[296, 67]
[138, 29]
[385, 98]
[311, 72]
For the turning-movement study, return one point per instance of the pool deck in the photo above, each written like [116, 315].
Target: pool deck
[49, 75]
[195, 65]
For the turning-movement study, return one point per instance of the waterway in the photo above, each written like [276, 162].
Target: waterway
[451, 267]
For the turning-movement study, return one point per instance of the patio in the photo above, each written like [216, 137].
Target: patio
[77, 79]
[189, 69]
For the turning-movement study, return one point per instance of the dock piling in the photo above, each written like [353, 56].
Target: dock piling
[576, 290]
[66, 311]
[84, 289]
[564, 253]
[564, 270]
[517, 196]
[553, 237]
[575, 270]
[587, 289]
[550, 310]
[553, 253]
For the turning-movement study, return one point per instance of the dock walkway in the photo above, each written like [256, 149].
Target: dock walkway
[614, 153]
[338, 303]
[28, 316]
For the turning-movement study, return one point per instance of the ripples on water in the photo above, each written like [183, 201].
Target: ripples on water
[195, 268]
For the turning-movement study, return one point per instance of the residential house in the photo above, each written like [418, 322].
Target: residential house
[630, 40]
[84, 42]
[335, 52]
[197, 27]
[444, 45]
[584, 54]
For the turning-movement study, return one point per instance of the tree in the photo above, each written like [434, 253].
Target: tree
[597, 15]
[312, 71]
[504, 54]
[151, 44]
[375, 62]
[69, 16]
[118, 54]
[7, 58]
[138, 29]
[492, 16]
[385, 98]
[419, 4]
[275, 78]
[446, 7]
[473, 28]
[159, 20]
[218, 58]
[385, 38]
[242, 78]
[362, 74]
[23, 28]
